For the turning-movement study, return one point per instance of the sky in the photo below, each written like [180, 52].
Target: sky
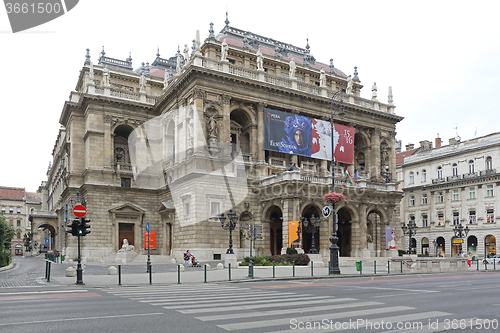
[442, 59]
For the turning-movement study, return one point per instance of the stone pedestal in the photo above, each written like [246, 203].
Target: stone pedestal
[230, 259]
[316, 259]
[125, 256]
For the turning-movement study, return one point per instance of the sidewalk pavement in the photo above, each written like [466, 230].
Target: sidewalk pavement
[133, 274]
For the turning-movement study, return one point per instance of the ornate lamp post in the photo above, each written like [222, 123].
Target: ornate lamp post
[410, 230]
[387, 174]
[461, 232]
[334, 248]
[312, 226]
[229, 223]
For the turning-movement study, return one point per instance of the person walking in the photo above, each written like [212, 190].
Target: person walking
[187, 259]
[469, 258]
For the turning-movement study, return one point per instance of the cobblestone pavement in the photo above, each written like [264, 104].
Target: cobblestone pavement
[25, 273]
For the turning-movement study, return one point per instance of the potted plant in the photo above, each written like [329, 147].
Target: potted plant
[333, 197]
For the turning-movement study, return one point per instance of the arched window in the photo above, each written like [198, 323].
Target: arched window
[424, 176]
[412, 177]
[439, 172]
[489, 163]
[471, 166]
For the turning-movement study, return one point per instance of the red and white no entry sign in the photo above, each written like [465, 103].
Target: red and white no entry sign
[79, 211]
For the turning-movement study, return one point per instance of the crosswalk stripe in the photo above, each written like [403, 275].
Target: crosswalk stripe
[217, 300]
[267, 305]
[230, 295]
[285, 321]
[290, 298]
[352, 325]
[287, 311]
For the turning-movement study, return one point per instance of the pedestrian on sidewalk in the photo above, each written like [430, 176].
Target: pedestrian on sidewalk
[469, 258]
[187, 259]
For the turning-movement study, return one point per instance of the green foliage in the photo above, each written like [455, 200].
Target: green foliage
[279, 260]
[401, 252]
[291, 250]
[6, 235]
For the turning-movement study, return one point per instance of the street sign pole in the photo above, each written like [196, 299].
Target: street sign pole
[79, 270]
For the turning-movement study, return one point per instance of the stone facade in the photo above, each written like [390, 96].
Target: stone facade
[181, 142]
[448, 186]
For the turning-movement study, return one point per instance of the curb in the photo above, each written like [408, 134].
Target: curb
[9, 266]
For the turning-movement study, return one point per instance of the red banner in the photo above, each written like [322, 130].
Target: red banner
[152, 240]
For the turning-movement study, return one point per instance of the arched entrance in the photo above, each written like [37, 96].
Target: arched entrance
[344, 232]
[472, 245]
[275, 219]
[440, 248]
[413, 246]
[47, 236]
[307, 235]
[425, 246]
[490, 246]
[456, 246]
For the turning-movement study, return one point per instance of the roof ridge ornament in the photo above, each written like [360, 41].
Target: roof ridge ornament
[211, 31]
[356, 78]
[87, 56]
[332, 69]
[227, 20]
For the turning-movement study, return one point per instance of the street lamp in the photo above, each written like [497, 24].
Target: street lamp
[410, 230]
[334, 248]
[27, 239]
[459, 231]
[387, 175]
[312, 226]
[231, 218]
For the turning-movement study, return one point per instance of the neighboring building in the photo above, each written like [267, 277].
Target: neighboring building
[448, 186]
[15, 203]
[177, 143]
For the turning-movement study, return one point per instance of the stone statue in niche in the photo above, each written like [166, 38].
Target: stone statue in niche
[224, 50]
[260, 61]
[292, 69]
[142, 83]
[349, 85]
[105, 76]
[212, 128]
[322, 78]
[186, 54]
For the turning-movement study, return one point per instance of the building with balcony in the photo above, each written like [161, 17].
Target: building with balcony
[185, 139]
[451, 186]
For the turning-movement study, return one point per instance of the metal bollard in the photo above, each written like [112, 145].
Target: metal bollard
[375, 267]
[360, 267]
[150, 274]
[205, 272]
[229, 271]
[401, 266]
[179, 274]
[388, 267]
[293, 263]
[274, 270]
[48, 274]
[252, 271]
[312, 268]
[119, 275]
[46, 268]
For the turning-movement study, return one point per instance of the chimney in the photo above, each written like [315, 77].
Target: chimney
[438, 142]
[409, 146]
[425, 145]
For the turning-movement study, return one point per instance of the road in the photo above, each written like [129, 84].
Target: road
[416, 303]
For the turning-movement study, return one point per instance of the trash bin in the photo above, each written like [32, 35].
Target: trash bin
[358, 265]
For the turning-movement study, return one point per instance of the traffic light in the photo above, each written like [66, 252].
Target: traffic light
[73, 227]
[82, 228]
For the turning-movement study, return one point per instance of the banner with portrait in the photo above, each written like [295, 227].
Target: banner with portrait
[300, 135]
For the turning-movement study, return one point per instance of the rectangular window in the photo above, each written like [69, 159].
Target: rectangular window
[440, 197]
[11, 210]
[440, 219]
[490, 216]
[19, 210]
[3, 210]
[472, 193]
[186, 209]
[412, 200]
[425, 222]
[18, 223]
[126, 182]
[454, 195]
[472, 217]
[489, 190]
[214, 208]
[424, 199]
[456, 218]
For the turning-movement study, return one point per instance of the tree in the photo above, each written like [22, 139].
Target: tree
[6, 235]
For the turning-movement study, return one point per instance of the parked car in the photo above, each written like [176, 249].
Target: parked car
[54, 252]
[491, 259]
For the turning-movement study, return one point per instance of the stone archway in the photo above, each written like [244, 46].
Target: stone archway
[274, 216]
[307, 235]
[344, 232]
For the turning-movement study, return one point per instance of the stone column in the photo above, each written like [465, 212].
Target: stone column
[375, 155]
[225, 127]
[287, 214]
[363, 250]
[260, 133]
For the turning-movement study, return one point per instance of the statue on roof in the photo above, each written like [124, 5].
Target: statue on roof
[349, 85]
[224, 50]
[178, 67]
[186, 54]
[142, 83]
[91, 72]
[260, 61]
[105, 76]
[374, 91]
[292, 69]
[322, 78]
[165, 80]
